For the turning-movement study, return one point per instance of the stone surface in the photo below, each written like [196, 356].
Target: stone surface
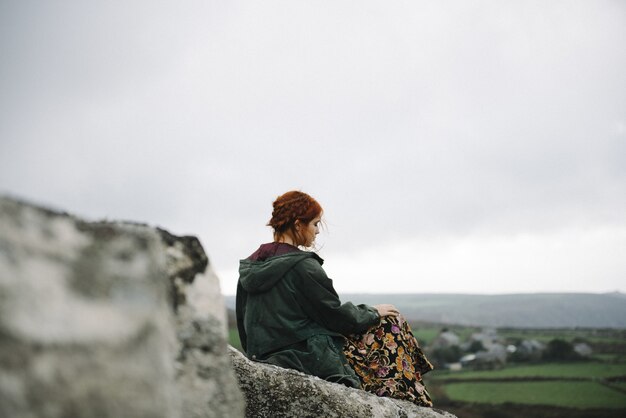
[207, 384]
[275, 392]
[108, 320]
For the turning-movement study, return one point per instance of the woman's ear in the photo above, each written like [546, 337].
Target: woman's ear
[297, 224]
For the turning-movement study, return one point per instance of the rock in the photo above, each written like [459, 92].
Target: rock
[205, 378]
[275, 392]
[108, 320]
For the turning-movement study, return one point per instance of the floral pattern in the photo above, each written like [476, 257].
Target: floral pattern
[389, 361]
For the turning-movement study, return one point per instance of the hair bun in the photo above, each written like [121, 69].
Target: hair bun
[291, 206]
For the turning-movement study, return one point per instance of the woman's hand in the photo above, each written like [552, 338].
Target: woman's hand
[387, 310]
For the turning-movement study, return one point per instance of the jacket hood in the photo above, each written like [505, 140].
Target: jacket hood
[260, 276]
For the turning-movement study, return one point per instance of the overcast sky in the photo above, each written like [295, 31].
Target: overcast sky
[456, 146]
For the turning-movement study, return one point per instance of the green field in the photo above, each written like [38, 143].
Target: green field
[563, 394]
[580, 385]
[589, 335]
[586, 370]
[426, 333]
[620, 385]
[233, 338]
[580, 388]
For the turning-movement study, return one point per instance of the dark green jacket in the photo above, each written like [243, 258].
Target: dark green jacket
[289, 314]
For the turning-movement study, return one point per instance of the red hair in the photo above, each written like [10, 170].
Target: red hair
[291, 207]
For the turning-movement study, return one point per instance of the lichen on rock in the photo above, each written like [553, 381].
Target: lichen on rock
[89, 328]
[119, 319]
[275, 392]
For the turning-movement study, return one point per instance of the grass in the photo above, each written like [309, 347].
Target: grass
[609, 358]
[620, 385]
[233, 338]
[425, 335]
[563, 370]
[562, 394]
[589, 335]
[532, 393]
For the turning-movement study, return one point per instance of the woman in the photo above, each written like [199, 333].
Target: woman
[289, 315]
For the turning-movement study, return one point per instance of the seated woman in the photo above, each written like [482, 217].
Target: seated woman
[289, 315]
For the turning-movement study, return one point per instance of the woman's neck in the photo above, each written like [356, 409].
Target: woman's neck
[285, 239]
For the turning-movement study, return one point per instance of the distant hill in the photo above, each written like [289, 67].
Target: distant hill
[527, 310]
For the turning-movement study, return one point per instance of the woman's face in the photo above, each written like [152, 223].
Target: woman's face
[310, 231]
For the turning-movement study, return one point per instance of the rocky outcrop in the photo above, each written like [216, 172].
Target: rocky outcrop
[275, 392]
[108, 320]
[204, 376]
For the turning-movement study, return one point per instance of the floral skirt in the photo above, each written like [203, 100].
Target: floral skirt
[389, 362]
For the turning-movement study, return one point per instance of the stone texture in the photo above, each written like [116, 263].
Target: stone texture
[207, 384]
[275, 392]
[108, 320]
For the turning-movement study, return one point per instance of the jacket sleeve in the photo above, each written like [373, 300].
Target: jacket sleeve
[320, 301]
[240, 311]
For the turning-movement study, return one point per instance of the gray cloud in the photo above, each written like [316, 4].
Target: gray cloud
[417, 119]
